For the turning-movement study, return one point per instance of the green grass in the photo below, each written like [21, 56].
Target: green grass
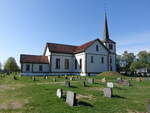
[27, 96]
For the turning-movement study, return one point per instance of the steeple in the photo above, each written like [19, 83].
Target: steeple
[106, 32]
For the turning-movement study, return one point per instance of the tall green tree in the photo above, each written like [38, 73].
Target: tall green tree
[129, 58]
[144, 56]
[11, 65]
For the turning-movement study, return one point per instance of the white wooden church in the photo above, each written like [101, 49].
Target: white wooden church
[91, 58]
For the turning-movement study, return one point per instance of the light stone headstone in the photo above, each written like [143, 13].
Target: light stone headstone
[107, 92]
[138, 79]
[120, 80]
[33, 78]
[71, 98]
[54, 79]
[126, 83]
[71, 78]
[59, 93]
[91, 80]
[110, 85]
[103, 80]
[148, 106]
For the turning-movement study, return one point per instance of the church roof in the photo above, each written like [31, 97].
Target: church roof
[70, 49]
[33, 59]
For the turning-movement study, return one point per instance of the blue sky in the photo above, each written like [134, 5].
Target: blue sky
[26, 25]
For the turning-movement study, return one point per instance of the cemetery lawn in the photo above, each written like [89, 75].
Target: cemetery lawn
[27, 96]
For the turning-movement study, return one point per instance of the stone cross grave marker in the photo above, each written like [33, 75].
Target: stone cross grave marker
[91, 80]
[71, 98]
[107, 92]
[59, 93]
[110, 85]
[67, 83]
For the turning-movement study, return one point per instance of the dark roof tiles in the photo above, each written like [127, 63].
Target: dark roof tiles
[34, 59]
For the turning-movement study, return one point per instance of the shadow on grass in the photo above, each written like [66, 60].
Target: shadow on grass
[84, 104]
[117, 96]
[120, 88]
[73, 87]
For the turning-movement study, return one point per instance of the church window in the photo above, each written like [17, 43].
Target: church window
[111, 46]
[92, 59]
[66, 63]
[27, 67]
[80, 63]
[40, 68]
[76, 64]
[57, 63]
[97, 49]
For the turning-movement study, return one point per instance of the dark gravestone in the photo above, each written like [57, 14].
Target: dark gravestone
[67, 83]
[148, 106]
[71, 98]
[107, 92]
[91, 80]
[59, 93]
[15, 78]
[66, 77]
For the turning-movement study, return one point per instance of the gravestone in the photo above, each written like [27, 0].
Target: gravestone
[148, 106]
[138, 79]
[71, 78]
[126, 83]
[59, 93]
[148, 78]
[91, 80]
[54, 79]
[33, 78]
[110, 85]
[103, 80]
[15, 78]
[66, 77]
[67, 83]
[83, 83]
[71, 98]
[107, 92]
[120, 80]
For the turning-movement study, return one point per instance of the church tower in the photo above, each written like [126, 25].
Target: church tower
[111, 45]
